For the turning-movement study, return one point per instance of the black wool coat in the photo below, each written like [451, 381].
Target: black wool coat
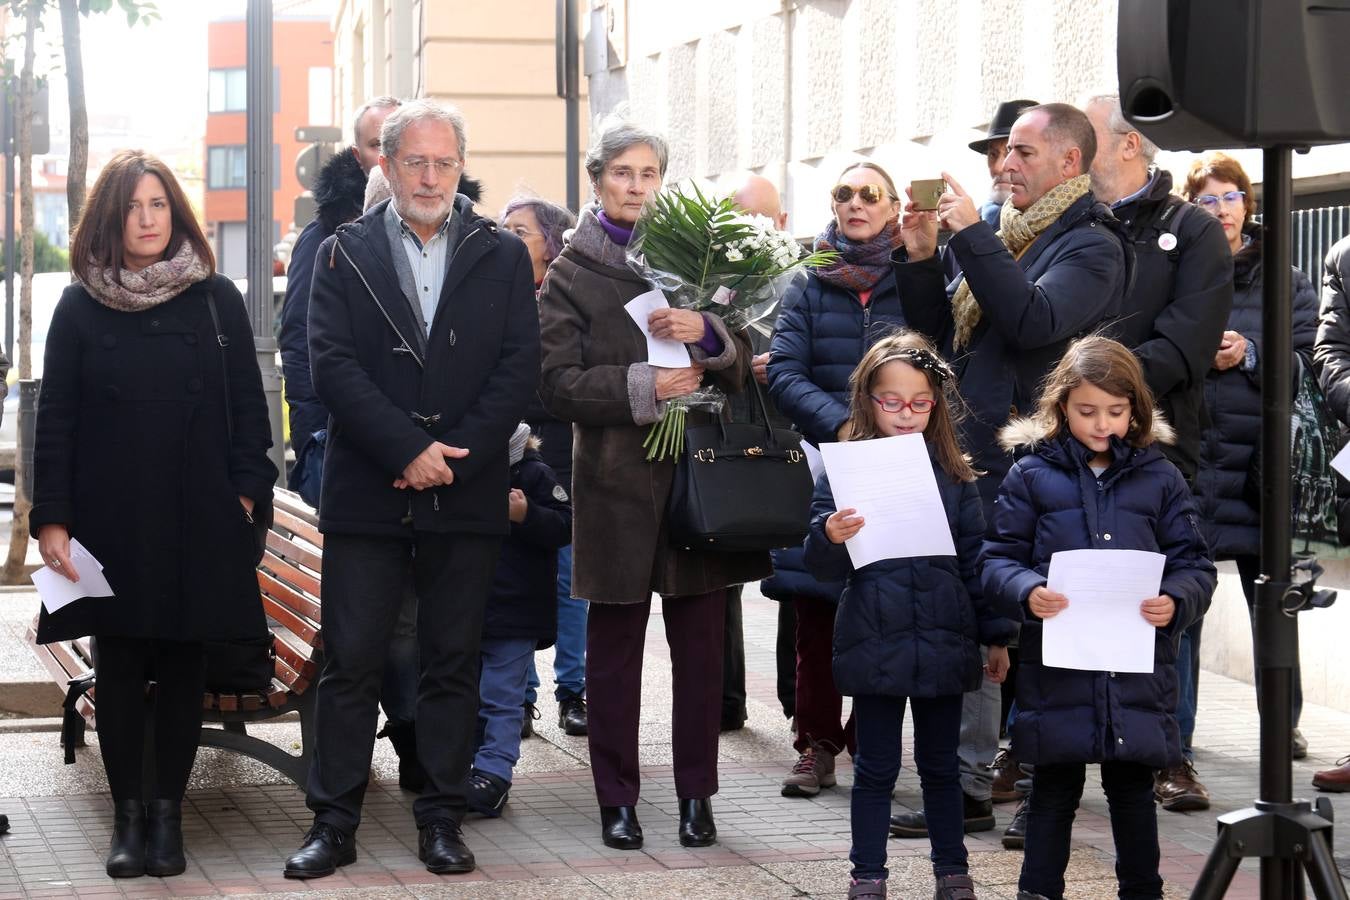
[133, 457]
[391, 389]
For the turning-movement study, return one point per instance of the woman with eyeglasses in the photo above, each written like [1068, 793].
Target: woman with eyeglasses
[1227, 485]
[595, 375]
[820, 337]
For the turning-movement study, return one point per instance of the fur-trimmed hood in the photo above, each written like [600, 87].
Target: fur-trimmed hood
[1025, 432]
[339, 190]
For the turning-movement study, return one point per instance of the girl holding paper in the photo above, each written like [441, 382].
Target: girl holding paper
[1093, 477]
[909, 629]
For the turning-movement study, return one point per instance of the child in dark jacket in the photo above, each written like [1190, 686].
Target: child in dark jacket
[1095, 479]
[909, 629]
[521, 617]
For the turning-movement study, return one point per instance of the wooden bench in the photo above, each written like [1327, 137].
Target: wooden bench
[288, 582]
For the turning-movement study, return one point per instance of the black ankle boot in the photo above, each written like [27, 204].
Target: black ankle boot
[126, 858]
[411, 775]
[697, 828]
[619, 827]
[164, 838]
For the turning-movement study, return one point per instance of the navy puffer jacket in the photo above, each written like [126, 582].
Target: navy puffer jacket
[820, 337]
[1233, 405]
[1052, 501]
[911, 627]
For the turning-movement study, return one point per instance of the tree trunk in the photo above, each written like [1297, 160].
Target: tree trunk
[13, 572]
[79, 113]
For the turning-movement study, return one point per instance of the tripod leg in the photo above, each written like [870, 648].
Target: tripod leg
[1217, 874]
[1326, 881]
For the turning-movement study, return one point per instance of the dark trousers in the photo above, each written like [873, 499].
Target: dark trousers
[615, 637]
[819, 703]
[123, 666]
[733, 661]
[937, 730]
[1249, 567]
[364, 579]
[1055, 792]
[785, 655]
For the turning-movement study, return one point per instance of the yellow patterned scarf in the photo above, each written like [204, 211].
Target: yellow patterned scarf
[1017, 229]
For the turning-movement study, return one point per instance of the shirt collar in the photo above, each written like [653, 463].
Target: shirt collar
[1142, 192]
[406, 231]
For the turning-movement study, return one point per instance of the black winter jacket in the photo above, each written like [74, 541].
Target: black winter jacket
[1051, 501]
[524, 602]
[1174, 315]
[911, 627]
[1069, 282]
[1226, 483]
[1332, 351]
[392, 389]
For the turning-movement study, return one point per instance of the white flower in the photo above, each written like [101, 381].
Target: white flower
[734, 255]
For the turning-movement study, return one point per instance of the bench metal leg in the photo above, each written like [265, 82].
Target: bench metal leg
[296, 768]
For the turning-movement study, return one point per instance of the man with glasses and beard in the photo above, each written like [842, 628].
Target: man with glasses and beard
[424, 343]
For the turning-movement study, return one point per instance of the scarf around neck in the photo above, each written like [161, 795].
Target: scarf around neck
[861, 264]
[619, 234]
[150, 286]
[1017, 229]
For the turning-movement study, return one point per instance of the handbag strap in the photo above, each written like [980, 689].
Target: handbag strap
[758, 394]
[223, 343]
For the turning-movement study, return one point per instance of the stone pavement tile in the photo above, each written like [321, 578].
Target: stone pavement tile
[726, 883]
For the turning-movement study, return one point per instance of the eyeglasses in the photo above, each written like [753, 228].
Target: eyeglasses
[444, 167]
[521, 231]
[895, 405]
[1211, 202]
[871, 194]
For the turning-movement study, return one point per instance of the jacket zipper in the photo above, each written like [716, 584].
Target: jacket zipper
[407, 347]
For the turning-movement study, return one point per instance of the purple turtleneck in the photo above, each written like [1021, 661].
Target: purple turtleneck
[617, 233]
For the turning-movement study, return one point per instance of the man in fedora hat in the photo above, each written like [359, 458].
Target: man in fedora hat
[994, 146]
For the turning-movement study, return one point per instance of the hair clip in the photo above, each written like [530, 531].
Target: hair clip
[925, 360]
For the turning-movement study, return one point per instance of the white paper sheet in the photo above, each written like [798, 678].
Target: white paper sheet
[1341, 461]
[57, 591]
[1102, 629]
[890, 482]
[813, 460]
[662, 352]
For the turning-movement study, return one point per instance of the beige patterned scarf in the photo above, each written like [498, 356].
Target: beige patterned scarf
[1017, 229]
[150, 286]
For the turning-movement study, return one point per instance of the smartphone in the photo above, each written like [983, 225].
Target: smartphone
[926, 192]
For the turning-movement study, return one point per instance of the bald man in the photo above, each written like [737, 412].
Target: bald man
[757, 195]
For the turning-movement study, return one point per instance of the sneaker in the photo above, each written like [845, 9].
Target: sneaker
[954, 887]
[1300, 748]
[1006, 774]
[874, 888]
[527, 726]
[572, 715]
[1015, 835]
[1179, 790]
[979, 816]
[486, 794]
[814, 770]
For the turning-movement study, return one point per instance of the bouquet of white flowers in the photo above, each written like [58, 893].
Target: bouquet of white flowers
[708, 256]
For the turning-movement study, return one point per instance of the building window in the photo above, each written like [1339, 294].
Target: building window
[227, 167]
[227, 90]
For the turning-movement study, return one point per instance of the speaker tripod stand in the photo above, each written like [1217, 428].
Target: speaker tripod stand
[1290, 837]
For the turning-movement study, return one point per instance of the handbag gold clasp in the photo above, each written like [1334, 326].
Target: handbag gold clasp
[706, 455]
[754, 451]
[794, 456]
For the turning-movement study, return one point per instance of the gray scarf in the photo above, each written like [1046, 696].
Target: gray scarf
[591, 240]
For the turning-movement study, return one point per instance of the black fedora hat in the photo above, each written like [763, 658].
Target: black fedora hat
[1002, 123]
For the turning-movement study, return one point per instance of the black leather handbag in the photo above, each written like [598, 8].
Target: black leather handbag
[740, 487]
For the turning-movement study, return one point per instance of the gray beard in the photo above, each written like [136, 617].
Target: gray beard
[410, 213]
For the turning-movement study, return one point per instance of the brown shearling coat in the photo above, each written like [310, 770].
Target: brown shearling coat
[620, 549]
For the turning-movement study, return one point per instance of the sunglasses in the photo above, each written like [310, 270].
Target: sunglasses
[871, 194]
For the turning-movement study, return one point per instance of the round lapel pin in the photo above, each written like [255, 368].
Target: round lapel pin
[1167, 241]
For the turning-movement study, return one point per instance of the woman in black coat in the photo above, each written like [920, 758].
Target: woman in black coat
[154, 457]
[1226, 487]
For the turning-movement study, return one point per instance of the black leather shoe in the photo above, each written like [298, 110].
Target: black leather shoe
[619, 827]
[1015, 837]
[697, 828]
[440, 845]
[572, 716]
[978, 815]
[164, 838]
[4, 824]
[326, 847]
[126, 857]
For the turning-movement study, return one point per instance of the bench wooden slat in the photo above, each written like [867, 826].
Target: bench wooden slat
[289, 549]
[285, 616]
[296, 578]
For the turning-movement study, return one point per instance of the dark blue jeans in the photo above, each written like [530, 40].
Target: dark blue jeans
[937, 732]
[1055, 792]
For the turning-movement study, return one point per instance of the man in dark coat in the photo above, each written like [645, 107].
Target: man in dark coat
[1055, 269]
[1173, 319]
[424, 342]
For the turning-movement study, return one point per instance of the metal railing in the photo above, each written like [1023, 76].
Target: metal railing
[1314, 231]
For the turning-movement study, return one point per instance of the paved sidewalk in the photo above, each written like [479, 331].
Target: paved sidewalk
[242, 820]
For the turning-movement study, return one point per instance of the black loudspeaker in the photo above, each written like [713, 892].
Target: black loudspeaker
[1200, 74]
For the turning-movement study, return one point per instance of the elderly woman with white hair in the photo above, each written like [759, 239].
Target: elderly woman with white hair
[596, 375]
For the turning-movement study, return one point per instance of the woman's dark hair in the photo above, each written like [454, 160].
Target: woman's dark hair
[97, 242]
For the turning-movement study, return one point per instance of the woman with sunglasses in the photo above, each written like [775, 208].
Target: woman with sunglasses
[1227, 485]
[821, 336]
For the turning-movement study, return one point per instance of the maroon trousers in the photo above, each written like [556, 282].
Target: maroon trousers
[615, 636]
[819, 703]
